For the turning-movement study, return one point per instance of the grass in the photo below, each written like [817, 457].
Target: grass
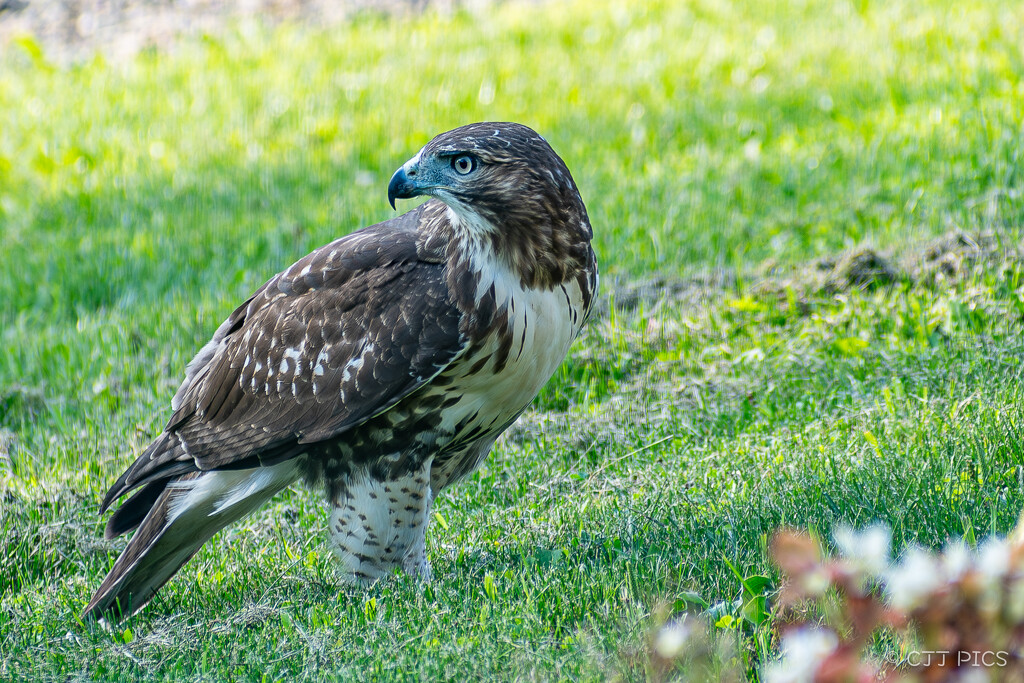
[724, 150]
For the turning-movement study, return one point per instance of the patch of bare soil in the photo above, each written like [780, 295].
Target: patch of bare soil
[944, 261]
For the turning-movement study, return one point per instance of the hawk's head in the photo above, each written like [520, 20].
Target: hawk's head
[504, 182]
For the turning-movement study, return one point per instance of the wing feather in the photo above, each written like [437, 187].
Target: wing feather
[339, 337]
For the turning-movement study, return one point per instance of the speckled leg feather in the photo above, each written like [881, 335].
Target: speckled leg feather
[379, 525]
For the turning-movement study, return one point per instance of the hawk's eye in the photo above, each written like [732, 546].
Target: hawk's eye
[464, 164]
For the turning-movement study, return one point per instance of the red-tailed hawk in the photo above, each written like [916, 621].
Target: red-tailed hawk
[380, 367]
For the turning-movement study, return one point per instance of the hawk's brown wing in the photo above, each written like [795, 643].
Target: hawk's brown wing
[342, 335]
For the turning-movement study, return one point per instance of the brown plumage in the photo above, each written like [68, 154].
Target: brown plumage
[380, 367]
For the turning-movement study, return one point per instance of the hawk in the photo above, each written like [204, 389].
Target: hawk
[380, 368]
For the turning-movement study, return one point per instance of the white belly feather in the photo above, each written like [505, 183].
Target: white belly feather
[543, 325]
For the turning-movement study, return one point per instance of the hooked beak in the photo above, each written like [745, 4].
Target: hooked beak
[403, 185]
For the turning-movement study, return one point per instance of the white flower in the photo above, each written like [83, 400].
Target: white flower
[671, 638]
[803, 652]
[868, 550]
[816, 582]
[956, 560]
[974, 674]
[914, 579]
[994, 559]
[992, 564]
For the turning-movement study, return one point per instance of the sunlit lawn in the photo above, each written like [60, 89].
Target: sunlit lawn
[722, 148]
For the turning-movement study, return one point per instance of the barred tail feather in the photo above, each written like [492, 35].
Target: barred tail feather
[185, 515]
